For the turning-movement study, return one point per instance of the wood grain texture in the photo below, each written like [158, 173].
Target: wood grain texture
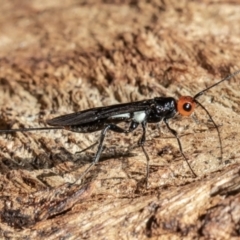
[58, 57]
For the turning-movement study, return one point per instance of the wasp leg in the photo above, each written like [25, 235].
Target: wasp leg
[143, 138]
[113, 128]
[107, 127]
[141, 143]
[180, 146]
[89, 147]
[132, 127]
[98, 153]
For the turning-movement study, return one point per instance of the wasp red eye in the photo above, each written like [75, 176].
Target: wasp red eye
[186, 105]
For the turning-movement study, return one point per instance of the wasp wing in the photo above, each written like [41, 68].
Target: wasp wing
[93, 114]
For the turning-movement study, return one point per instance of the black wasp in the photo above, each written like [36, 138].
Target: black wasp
[135, 113]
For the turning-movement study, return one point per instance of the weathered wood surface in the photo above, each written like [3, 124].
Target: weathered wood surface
[58, 57]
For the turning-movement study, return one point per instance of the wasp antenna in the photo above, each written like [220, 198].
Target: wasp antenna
[224, 79]
[215, 125]
[28, 129]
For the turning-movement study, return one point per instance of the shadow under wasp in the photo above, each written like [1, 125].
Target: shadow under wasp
[104, 119]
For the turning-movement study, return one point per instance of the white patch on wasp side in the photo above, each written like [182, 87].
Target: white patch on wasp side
[139, 116]
[123, 115]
